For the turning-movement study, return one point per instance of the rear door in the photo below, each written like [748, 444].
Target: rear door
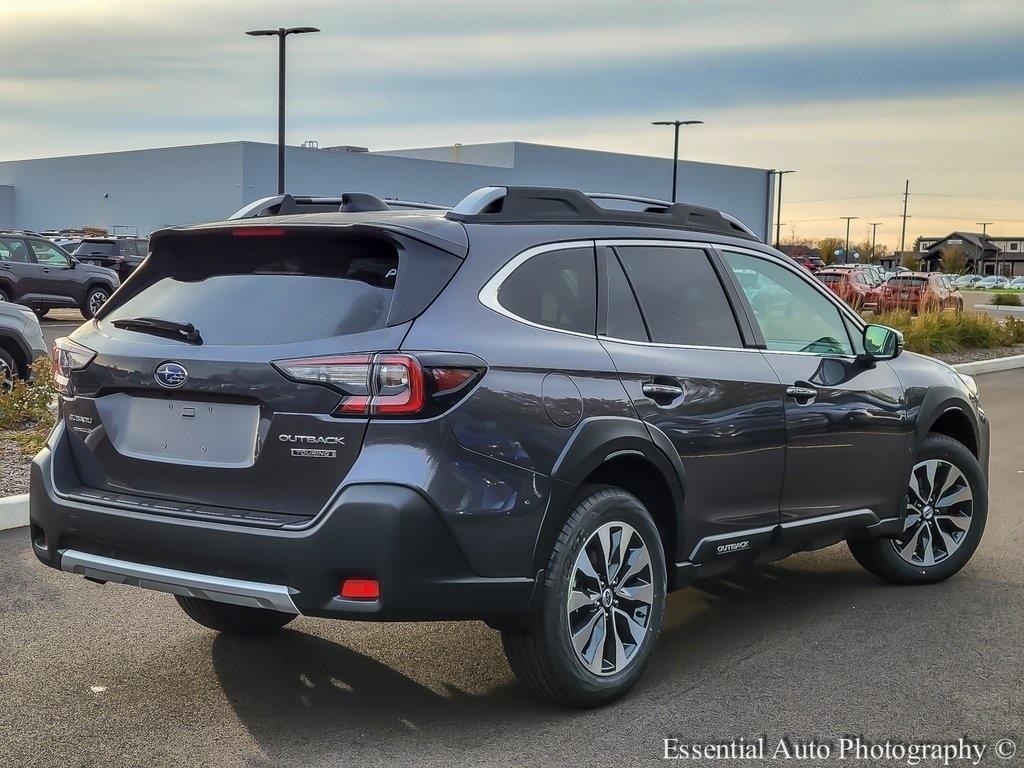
[847, 431]
[669, 326]
[225, 422]
[57, 278]
[19, 275]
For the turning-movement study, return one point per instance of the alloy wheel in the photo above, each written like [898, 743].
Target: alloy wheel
[96, 300]
[940, 508]
[611, 594]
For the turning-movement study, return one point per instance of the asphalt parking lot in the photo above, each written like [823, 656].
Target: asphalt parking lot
[812, 647]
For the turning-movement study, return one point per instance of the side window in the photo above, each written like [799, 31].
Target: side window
[556, 289]
[14, 251]
[680, 296]
[624, 320]
[792, 315]
[49, 255]
[142, 248]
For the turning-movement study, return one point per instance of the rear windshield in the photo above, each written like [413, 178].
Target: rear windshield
[912, 282]
[831, 279]
[266, 290]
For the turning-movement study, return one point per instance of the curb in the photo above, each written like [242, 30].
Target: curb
[13, 511]
[991, 366]
[999, 307]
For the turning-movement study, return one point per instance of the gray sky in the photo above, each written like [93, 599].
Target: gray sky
[856, 96]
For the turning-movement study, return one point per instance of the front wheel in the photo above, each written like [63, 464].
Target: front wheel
[601, 604]
[8, 371]
[947, 506]
[95, 298]
[234, 619]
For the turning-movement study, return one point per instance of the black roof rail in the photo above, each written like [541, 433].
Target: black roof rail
[348, 202]
[532, 205]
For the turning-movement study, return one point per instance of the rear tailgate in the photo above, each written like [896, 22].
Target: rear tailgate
[214, 428]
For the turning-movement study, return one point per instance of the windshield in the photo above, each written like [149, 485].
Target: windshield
[268, 290]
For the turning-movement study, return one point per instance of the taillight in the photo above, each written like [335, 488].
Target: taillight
[68, 356]
[384, 384]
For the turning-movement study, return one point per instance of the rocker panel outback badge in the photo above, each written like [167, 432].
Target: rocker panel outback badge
[531, 409]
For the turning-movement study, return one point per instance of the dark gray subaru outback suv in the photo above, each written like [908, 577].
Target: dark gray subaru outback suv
[534, 409]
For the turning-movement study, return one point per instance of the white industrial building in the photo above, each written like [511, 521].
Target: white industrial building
[142, 190]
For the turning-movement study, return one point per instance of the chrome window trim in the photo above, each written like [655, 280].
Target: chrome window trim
[488, 295]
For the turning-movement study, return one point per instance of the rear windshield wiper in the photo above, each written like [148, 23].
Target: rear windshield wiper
[181, 331]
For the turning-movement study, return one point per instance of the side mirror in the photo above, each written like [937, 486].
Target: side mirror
[882, 343]
[72, 263]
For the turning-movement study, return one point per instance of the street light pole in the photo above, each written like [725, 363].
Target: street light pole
[778, 216]
[281, 33]
[675, 150]
[846, 253]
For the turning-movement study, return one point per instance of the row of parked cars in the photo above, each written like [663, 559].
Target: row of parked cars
[989, 282]
[39, 273]
[869, 287]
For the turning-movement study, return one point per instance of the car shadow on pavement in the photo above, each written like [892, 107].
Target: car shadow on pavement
[299, 694]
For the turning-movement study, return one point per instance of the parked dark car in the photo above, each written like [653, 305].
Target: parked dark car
[21, 343]
[530, 409]
[43, 276]
[121, 254]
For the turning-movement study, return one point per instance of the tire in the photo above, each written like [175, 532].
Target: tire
[94, 299]
[540, 650]
[4, 298]
[41, 312]
[938, 530]
[8, 371]
[234, 619]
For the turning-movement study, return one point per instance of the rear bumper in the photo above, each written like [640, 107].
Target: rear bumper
[379, 531]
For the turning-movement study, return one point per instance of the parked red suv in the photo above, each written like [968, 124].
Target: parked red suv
[920, 292]
[851, 285]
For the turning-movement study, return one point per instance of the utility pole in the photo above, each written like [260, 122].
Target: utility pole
[903, 232]
[675, 151]
[846, 253]
[984, 226]
[778, 217]
[874, 226]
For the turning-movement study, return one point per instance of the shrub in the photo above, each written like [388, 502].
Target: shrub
[936, 332]
[25, 411]
[1006, 300]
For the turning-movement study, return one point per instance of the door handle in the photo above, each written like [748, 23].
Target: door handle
[661, 390]
[799, 393]
[46, 270]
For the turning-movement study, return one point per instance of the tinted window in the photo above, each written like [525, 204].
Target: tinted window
[557, 289]
[624, 319]
[49, 255]
[792, 315]
[268, 290]
[681, 297]
[914, 282]
[14, 250]
[100, 248]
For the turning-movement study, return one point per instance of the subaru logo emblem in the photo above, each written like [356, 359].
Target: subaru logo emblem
[171, 375]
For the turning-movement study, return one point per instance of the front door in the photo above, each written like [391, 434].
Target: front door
[681, 357]
[57, 279]
[847, 431]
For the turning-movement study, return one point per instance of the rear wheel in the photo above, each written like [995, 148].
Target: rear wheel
[601, 604]
[95, 298]
[234, 619]
[4, 297]
[947, 505]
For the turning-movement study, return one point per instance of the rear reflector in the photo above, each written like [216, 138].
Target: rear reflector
[447, 379]
[360, 589]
